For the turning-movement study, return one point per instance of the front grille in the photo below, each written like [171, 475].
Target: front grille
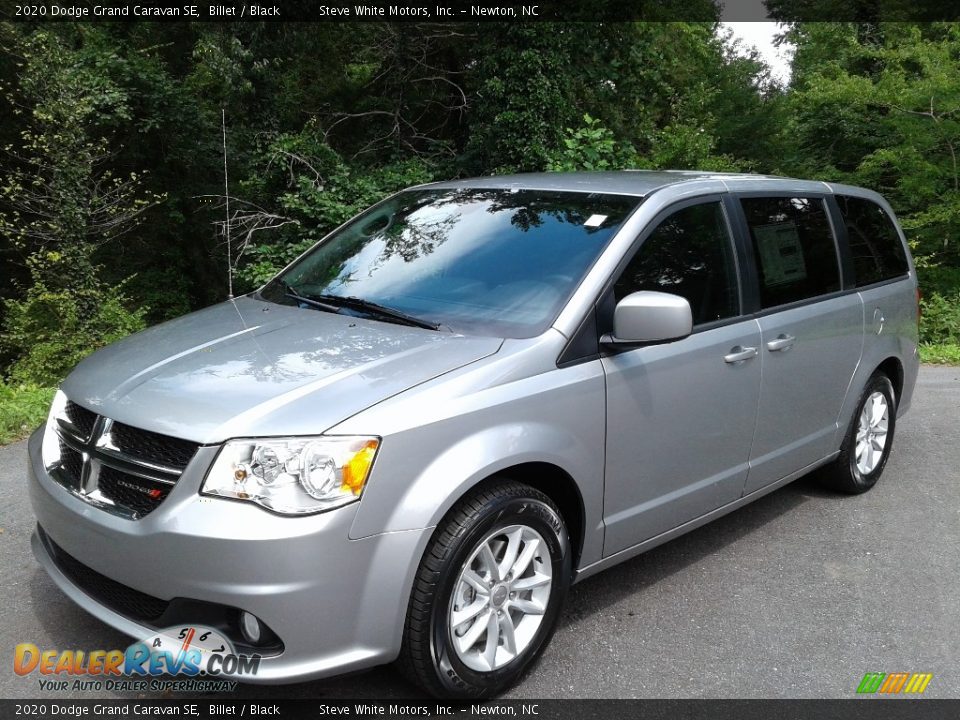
[71, 463]
[135, 493]
[81, 418]
[131, 471]
[151, 446]
[117, 596]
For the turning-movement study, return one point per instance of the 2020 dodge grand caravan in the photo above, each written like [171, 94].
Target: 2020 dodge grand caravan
[411, 441]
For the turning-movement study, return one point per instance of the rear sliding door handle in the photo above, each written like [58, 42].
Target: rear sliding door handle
[782, 342]
[739, 354]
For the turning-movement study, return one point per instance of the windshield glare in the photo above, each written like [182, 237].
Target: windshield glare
[491, 262]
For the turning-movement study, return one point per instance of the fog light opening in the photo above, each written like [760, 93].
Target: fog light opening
[250, 627]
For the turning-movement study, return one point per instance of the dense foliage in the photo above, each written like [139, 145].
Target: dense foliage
[112, 189]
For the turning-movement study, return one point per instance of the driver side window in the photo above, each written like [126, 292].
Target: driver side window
[690, 254]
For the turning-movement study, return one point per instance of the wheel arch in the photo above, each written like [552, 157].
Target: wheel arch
[893, 369]
[558, 485]
[891, 366]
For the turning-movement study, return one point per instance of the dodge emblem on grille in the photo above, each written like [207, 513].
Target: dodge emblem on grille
[151, 492]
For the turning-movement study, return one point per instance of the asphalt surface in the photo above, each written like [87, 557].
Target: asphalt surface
[796, 595]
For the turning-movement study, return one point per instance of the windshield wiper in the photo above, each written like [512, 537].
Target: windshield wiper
[291, 293]
[367, 306]
[333, 303]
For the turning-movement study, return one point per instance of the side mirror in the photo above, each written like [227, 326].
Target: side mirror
[650, 317]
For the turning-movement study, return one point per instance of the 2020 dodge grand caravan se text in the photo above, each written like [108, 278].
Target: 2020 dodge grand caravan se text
[410, 442]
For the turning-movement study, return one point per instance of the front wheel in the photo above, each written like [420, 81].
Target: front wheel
[488, 592]
[866, 447]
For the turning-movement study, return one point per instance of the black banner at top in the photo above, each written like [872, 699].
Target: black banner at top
[432, 11]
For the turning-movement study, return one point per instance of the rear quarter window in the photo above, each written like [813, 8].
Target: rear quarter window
[794, 248]
[875, 246]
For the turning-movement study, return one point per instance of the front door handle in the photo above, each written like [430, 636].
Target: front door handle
[739, 354]
[783, 342]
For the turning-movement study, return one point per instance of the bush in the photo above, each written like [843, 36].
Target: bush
[940, 279]
[22, 408]
[940, 309]
[50, 331]
[592, 147]
[940, 319]
[940, 354]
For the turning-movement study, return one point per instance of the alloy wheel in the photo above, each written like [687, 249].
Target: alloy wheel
[872, 432]
[500, 597]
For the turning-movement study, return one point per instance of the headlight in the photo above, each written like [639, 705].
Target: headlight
[50, 450]
[293, 476]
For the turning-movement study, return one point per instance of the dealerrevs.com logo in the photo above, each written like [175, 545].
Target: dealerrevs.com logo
[195, 656]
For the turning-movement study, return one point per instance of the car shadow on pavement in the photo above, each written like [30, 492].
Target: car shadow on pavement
[598, 593]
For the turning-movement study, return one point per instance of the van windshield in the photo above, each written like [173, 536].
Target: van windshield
[488, 262]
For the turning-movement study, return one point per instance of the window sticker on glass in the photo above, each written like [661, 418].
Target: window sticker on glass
[781, 254]
[595, 221]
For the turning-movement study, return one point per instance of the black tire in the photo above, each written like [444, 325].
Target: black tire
[427, 657]
[843, 474]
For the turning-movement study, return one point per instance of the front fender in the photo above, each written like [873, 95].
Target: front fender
[423, 469]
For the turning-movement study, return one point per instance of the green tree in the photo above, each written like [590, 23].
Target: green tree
[880, 107]
[61, 202]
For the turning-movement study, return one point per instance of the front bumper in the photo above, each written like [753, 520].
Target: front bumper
[336, 604]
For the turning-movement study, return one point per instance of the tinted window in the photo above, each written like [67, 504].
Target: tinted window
[873, 239]
[495, 262]
[794, 248]
[688, 254]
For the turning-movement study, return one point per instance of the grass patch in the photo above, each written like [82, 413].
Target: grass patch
[22, 408]
[940, 353]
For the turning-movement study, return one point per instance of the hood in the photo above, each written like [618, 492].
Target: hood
[248, 367]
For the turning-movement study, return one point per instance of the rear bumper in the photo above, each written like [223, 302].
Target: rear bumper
[336, 604]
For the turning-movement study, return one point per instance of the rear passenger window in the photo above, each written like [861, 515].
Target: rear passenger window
[688, 254]
[794, 248]
[874, 242]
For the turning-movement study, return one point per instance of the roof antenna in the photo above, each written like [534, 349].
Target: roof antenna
[226, 194]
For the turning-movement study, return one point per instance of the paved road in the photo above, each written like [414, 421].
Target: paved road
[796, 595]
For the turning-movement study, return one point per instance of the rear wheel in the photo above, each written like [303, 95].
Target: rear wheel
[868, 442]
[488, 593]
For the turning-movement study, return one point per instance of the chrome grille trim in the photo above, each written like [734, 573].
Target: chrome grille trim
[125, 463]
[67, 430]
[130, 466]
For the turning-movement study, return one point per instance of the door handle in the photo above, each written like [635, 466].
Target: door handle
[783, 342]
[739, 354]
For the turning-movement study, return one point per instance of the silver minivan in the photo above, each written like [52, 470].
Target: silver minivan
[409, 443]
